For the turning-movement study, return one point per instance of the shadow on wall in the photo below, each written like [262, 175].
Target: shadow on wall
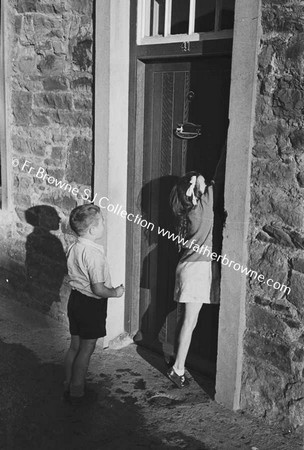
[45, 261]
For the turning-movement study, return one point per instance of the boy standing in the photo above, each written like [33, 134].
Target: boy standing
[91, 286]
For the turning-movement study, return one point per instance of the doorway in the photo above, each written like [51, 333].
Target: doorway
[119, 107]
[176, 91]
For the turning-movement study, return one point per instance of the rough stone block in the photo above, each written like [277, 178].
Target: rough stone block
[288, 208]
[290, 103]
[25, 182]
[264, 237]
[73, 119]
[82, 6]
[82, 83]
[297, 239]
[301, 339]
[40, 119]
[16, 250]
[272, 351]
[20, 213]
[263, 150]
[55, 173]
[298, 264]
[22, 107]
[55, 84]
[79, 167]
[265, 322]
[262, 390]
[18, 25]
[295, 49]
[57, 152]
[266, 56]
[47, 26]
[24, 6]
[66, 229]
[262, 301]
[83, 103]
[297, 139]
[298, 355]
[22, 200]
[52, 65]
[300, 179]
[294, 325]
[297, 289]
[18, 144]
[279, 236]
[296, 413]
[46, 9]
[52, 100]
[37, 148]
[279, 307]
[82, 54]
[43, 47]
[273, 172]
[263, 108]
[260, 202]
[68, 203]
[27, 65]
[278, 19]
[273, 265]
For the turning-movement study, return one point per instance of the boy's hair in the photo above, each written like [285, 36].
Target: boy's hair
[82, 217]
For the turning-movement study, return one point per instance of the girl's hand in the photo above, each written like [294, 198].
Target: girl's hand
[201, 184]
[120, 290]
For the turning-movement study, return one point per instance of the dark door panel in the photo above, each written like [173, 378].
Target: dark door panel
[168, 103]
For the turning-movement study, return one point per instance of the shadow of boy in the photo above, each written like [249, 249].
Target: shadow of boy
[45, 258]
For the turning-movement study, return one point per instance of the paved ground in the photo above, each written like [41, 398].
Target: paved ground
[131, 406]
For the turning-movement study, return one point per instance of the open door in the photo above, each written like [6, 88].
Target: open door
[195, 90]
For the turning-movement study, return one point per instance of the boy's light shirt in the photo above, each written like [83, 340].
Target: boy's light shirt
[87, 265]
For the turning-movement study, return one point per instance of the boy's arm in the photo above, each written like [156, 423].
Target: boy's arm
[97, 272]
[101, 290]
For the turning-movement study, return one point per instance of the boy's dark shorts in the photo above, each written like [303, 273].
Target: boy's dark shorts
[87, 315]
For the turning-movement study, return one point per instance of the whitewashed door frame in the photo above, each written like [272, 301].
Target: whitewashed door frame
[111, 109]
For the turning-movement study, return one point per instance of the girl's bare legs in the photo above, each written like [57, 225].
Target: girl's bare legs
[190, 320]
[69, 360]
[80, 366]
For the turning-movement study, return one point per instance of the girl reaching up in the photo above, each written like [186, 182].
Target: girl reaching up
[191, 200]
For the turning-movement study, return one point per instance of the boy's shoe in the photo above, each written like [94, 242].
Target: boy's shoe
[179, 380]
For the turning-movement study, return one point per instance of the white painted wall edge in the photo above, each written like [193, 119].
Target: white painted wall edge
[247, 30]
[111, 139]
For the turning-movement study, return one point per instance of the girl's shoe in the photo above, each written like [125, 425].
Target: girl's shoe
[179, 380]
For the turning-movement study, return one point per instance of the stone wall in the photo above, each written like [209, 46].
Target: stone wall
[50, 134]
[273, 384]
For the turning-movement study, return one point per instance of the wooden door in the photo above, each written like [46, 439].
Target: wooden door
[196, 90]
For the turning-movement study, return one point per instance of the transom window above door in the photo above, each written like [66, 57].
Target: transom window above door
[164, 21]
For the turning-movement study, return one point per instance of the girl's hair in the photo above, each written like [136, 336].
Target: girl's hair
[181, 204]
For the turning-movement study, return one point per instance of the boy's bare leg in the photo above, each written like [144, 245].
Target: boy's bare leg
[69, 360]
[80, 366]
[190, 320]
